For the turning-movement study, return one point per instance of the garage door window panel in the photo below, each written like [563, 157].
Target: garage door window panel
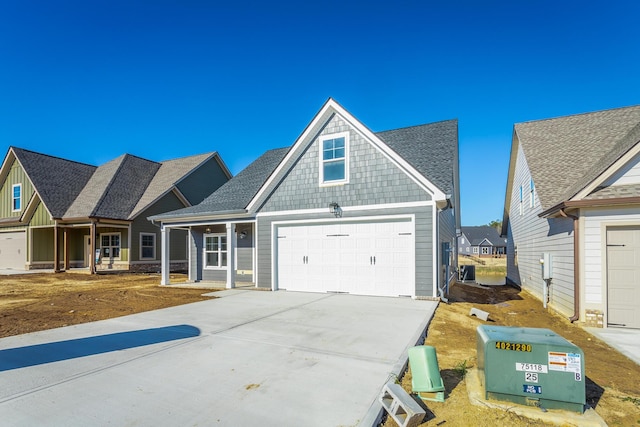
[334, 161]
[215, 251]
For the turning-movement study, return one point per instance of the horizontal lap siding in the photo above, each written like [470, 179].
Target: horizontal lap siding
[533, 236]
[596, 222]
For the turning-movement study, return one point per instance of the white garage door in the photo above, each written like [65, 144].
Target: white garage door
[364, 258]
[12, 250]
[623, 276]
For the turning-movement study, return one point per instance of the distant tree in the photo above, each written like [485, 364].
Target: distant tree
[497, 224]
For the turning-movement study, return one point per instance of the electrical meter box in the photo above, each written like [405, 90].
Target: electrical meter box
[531, 366]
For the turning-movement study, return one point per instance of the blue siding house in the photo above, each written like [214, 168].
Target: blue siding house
[343, 209]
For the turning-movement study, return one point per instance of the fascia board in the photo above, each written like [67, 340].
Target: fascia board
[200, 218]
[328, 109]
[608, 173]
[5, 169]
[322, 115]
[391, 155]
[515, 145]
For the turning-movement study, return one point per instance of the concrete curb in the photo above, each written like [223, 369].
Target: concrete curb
[376, 411]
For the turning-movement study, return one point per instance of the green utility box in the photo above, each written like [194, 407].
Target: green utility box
[531, 366]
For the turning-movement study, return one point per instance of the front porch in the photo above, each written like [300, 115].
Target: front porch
[220, 253]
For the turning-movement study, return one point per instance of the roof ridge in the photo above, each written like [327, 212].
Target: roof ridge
[565, 116]
[13, 147]
[208, 154]
[417, 126]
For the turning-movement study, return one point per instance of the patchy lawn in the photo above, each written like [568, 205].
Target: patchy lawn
[33, 302]
[613, 380]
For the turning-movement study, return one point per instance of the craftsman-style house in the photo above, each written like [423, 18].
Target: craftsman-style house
[60, 214]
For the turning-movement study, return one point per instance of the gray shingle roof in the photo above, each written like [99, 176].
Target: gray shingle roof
[477, 234]
[431, 148]
[119, 189]
[57, 181]
[565, 154]
[168, 175]
[114, 189]
[236, 193]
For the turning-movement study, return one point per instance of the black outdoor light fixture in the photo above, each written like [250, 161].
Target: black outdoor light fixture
[334, 208]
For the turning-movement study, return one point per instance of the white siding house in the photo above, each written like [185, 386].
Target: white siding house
[573, 192]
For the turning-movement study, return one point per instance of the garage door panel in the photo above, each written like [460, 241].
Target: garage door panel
[13, 250]
[370, 258]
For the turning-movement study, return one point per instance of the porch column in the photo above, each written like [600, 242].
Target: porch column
[65, 249]
[231, 259]
[165, 264]
[92, 248]
[56, 252]
[192, 268]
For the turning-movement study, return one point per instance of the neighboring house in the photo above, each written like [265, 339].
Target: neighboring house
[59, 214]
[573, 192]
[342, 210]
[481, 241]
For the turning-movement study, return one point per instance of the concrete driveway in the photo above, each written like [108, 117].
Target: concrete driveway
[248, 358]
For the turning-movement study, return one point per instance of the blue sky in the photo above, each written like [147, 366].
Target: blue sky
[90, 80]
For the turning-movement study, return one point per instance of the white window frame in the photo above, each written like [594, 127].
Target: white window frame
[153, 247]
[111, 247]
[521, 209]
[485, 250]
[531, 193]
[14, 198]
[322, 162]
[219, 251]
[475, 250]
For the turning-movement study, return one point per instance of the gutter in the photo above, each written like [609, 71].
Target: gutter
[576, 265]
[589, 203]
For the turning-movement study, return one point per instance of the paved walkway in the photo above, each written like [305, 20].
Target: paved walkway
[248, 358]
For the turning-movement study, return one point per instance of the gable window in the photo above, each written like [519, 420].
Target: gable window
[16, 192]
[531, 193]
[215, 250]
[110, 245]
[147, 246]
[334, 162]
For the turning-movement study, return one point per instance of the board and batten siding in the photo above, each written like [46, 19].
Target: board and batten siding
[177, 239]
[594, 270]
[203, 181]
[423, 240]
[41, 217]
[373, 178]
[15, 176]
[531, 236]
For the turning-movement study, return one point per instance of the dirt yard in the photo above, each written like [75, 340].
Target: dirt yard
[613, 381]
[33, 302]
